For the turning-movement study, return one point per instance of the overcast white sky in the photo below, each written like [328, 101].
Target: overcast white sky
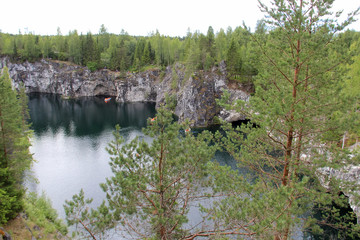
[137, 17]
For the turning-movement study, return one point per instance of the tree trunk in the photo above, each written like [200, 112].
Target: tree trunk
[162, 231]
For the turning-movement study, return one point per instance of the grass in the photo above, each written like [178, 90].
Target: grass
[40, 211]
[149, 67]
[17, 228]
[21, 228]
[39, 220]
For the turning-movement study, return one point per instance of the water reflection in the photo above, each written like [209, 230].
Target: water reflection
[85, 116]
[70, 137]
[70, 140]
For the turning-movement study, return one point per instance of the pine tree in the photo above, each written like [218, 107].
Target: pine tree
[15, 157]
[233, 61]
[139, 50]
[153, 186]
[75, 50]
[104, 38]
[91, 54]
[210, 37]
[221, 45]
[146, 57]
[290, 137]
[15, 53]
[31, 48]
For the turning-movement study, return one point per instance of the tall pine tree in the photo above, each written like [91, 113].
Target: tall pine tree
[291, 137]
[154, 186]
[15, 157]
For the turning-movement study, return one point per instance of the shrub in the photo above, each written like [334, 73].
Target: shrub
[6, 202]
[41, 212]
[92, 66]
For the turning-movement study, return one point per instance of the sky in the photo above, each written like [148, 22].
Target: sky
[136, 17]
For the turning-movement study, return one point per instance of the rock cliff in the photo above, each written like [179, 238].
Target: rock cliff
[196, 94]
[349, 174]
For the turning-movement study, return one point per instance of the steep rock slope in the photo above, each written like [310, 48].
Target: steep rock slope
[196, 94]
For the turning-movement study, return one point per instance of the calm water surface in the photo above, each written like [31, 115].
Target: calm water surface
[70, 137]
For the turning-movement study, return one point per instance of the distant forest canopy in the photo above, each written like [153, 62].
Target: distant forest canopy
[122, 52]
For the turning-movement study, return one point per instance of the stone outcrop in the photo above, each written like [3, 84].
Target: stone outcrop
[347, 175]
[196, 93]
[60, 78]
[4, 235]
[139, 87]
[350, 174]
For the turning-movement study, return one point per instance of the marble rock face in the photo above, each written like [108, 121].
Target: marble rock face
[195, 93]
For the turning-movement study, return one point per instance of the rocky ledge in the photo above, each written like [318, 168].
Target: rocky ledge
[196, 94]
[348, 175]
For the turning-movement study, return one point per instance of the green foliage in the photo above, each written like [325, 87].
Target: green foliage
[147, 55]
[15, 157]
[174, 79]
[139, 50]
[153, 184]
[221, 45]
[171, 102]
[291, 136]
[87, 220]
[328, 215]
[349, 117]
[103, 39]
[40, 211]
[242, 58]
[210, 37]
[123, 52]
[351, 87]
[298, 109]
[233, 60]
[92, 66]
[352, 83]
[75, 49]
[209, 62]
[150, 178]
[60, 46]
[31, 51]
[7, 202]
[91, 54]
[45, 47]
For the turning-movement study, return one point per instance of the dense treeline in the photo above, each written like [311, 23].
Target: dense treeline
[123, 52]
[129, 53]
